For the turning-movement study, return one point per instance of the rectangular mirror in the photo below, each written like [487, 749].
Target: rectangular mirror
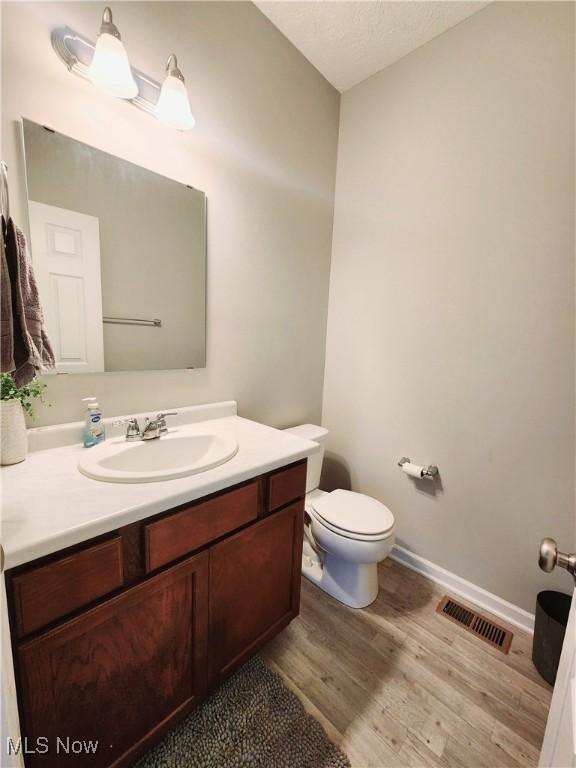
[119, 254]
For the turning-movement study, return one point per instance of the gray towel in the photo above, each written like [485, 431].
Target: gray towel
[32, 351]
[6, 321]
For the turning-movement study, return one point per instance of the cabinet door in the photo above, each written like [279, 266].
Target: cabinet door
[120, 673]
[254, 588]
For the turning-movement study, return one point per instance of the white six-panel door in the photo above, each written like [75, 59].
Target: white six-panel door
[65, 248]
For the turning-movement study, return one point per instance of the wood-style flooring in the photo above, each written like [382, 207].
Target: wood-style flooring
[395, 684]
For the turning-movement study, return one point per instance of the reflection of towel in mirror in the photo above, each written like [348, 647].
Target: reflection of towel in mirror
[6, 319]
[31, 349]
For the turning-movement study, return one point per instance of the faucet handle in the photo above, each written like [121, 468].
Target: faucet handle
[120, 422]
[161, 419]
[133, 428]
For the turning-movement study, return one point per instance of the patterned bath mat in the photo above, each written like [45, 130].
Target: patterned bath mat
[251, 721]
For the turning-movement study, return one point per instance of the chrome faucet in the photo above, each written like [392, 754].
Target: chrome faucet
[132, 430]
[153, 429]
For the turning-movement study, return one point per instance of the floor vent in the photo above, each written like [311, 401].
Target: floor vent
[478, 625]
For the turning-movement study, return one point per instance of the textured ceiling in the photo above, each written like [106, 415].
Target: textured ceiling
[349, 41]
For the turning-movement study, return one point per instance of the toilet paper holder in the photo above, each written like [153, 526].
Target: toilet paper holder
[430, 472]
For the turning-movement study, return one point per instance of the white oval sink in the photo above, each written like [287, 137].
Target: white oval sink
[165, 458]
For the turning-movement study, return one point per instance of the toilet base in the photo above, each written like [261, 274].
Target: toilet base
[354, 584]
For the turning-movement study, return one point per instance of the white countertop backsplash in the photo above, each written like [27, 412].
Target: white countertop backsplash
[47, 504]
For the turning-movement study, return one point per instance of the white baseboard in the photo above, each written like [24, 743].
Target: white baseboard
[459, 586]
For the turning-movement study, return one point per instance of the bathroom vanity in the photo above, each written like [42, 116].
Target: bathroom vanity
[119, 635]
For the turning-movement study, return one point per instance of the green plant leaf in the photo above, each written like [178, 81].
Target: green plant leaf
[26, 394]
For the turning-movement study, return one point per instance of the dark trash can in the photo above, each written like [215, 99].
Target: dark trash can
[552, 609]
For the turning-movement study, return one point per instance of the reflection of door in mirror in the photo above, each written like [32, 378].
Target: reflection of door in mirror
[66, 253]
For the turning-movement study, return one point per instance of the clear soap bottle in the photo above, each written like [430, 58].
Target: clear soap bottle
[94, 432]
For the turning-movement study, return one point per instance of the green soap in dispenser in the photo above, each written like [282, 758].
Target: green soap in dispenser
[94, 432]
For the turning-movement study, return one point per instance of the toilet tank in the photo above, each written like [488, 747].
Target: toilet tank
[317, 435]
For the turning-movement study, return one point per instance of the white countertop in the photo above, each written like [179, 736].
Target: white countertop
[47, 504]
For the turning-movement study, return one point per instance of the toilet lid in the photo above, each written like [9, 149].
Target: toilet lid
[354, 513]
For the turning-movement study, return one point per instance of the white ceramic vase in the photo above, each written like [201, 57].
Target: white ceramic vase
[13, 437]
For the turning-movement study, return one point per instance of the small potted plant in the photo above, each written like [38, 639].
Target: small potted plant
[14, 402]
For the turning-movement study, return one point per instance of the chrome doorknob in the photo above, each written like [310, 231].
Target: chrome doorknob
[550, 557]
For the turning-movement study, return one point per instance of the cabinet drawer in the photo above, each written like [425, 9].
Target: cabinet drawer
[286, 485]
[194, 526]
[51, 591]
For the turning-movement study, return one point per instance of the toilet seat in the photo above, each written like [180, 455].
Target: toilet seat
[353, 515]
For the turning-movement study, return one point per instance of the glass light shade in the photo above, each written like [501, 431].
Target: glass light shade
[110, 68]
[173, 107]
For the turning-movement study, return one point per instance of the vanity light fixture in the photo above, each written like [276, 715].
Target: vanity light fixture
[110, 68]
[173, 106]
[105, 63]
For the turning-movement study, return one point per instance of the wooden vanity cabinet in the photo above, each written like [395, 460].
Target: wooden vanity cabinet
[122, 670]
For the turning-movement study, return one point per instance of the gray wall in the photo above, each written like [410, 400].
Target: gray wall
[451, 318]
[263, 150]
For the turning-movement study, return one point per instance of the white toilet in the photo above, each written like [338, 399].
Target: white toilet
[349, 534]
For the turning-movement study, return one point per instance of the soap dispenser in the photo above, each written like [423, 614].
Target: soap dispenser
[93, 425]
